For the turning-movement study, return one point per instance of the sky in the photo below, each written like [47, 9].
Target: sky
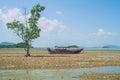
[66, 22]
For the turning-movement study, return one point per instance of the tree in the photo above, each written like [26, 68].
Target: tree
[28, 31]
[20, 45]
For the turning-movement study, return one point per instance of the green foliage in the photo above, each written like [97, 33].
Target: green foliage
[29, 31]
[73, 46]
[18, 28]
[21, 45]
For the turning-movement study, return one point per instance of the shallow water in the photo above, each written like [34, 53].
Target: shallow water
[108, 56]
[54, 74]
[90, 48]
[82, 62]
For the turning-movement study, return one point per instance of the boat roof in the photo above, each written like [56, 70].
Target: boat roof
[61, 47]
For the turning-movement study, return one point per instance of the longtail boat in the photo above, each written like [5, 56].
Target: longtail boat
[65, 50]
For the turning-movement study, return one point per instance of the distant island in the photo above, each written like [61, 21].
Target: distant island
[12, 45]
[111, 46]
[7, 43]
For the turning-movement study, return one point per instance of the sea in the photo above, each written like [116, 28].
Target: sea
[102, 48]
[45, 48]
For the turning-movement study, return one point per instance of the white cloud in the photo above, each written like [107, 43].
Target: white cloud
[0, 11]
[46, 24]
[50, 25]
[10, 15]
[102, 32]
[0, 14]
[58, 12]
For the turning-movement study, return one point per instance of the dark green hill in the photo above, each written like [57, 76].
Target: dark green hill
[111, 46]
[12, 45]
[6, 43]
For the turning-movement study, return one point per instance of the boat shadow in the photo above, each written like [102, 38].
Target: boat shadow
[40, 56]
[48, 56]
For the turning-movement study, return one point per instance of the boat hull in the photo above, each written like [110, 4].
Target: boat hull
[65, 51]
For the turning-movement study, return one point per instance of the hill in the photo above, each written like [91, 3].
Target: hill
[6, 43]
[111, 46]
[12, 45]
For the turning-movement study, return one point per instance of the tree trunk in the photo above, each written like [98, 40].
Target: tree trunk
[27, 49]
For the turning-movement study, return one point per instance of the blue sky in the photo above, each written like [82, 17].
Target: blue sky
[67, 22]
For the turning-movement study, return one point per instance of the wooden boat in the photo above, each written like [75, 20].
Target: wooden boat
[65, 50]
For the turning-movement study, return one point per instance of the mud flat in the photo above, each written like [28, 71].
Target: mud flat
[41, 59]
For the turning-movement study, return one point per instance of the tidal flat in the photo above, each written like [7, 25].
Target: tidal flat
[44, 66]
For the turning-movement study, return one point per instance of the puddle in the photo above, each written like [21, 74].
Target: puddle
[54, 74]
[10, 66]
[108, 56]
[105, 56]
[82, 62]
